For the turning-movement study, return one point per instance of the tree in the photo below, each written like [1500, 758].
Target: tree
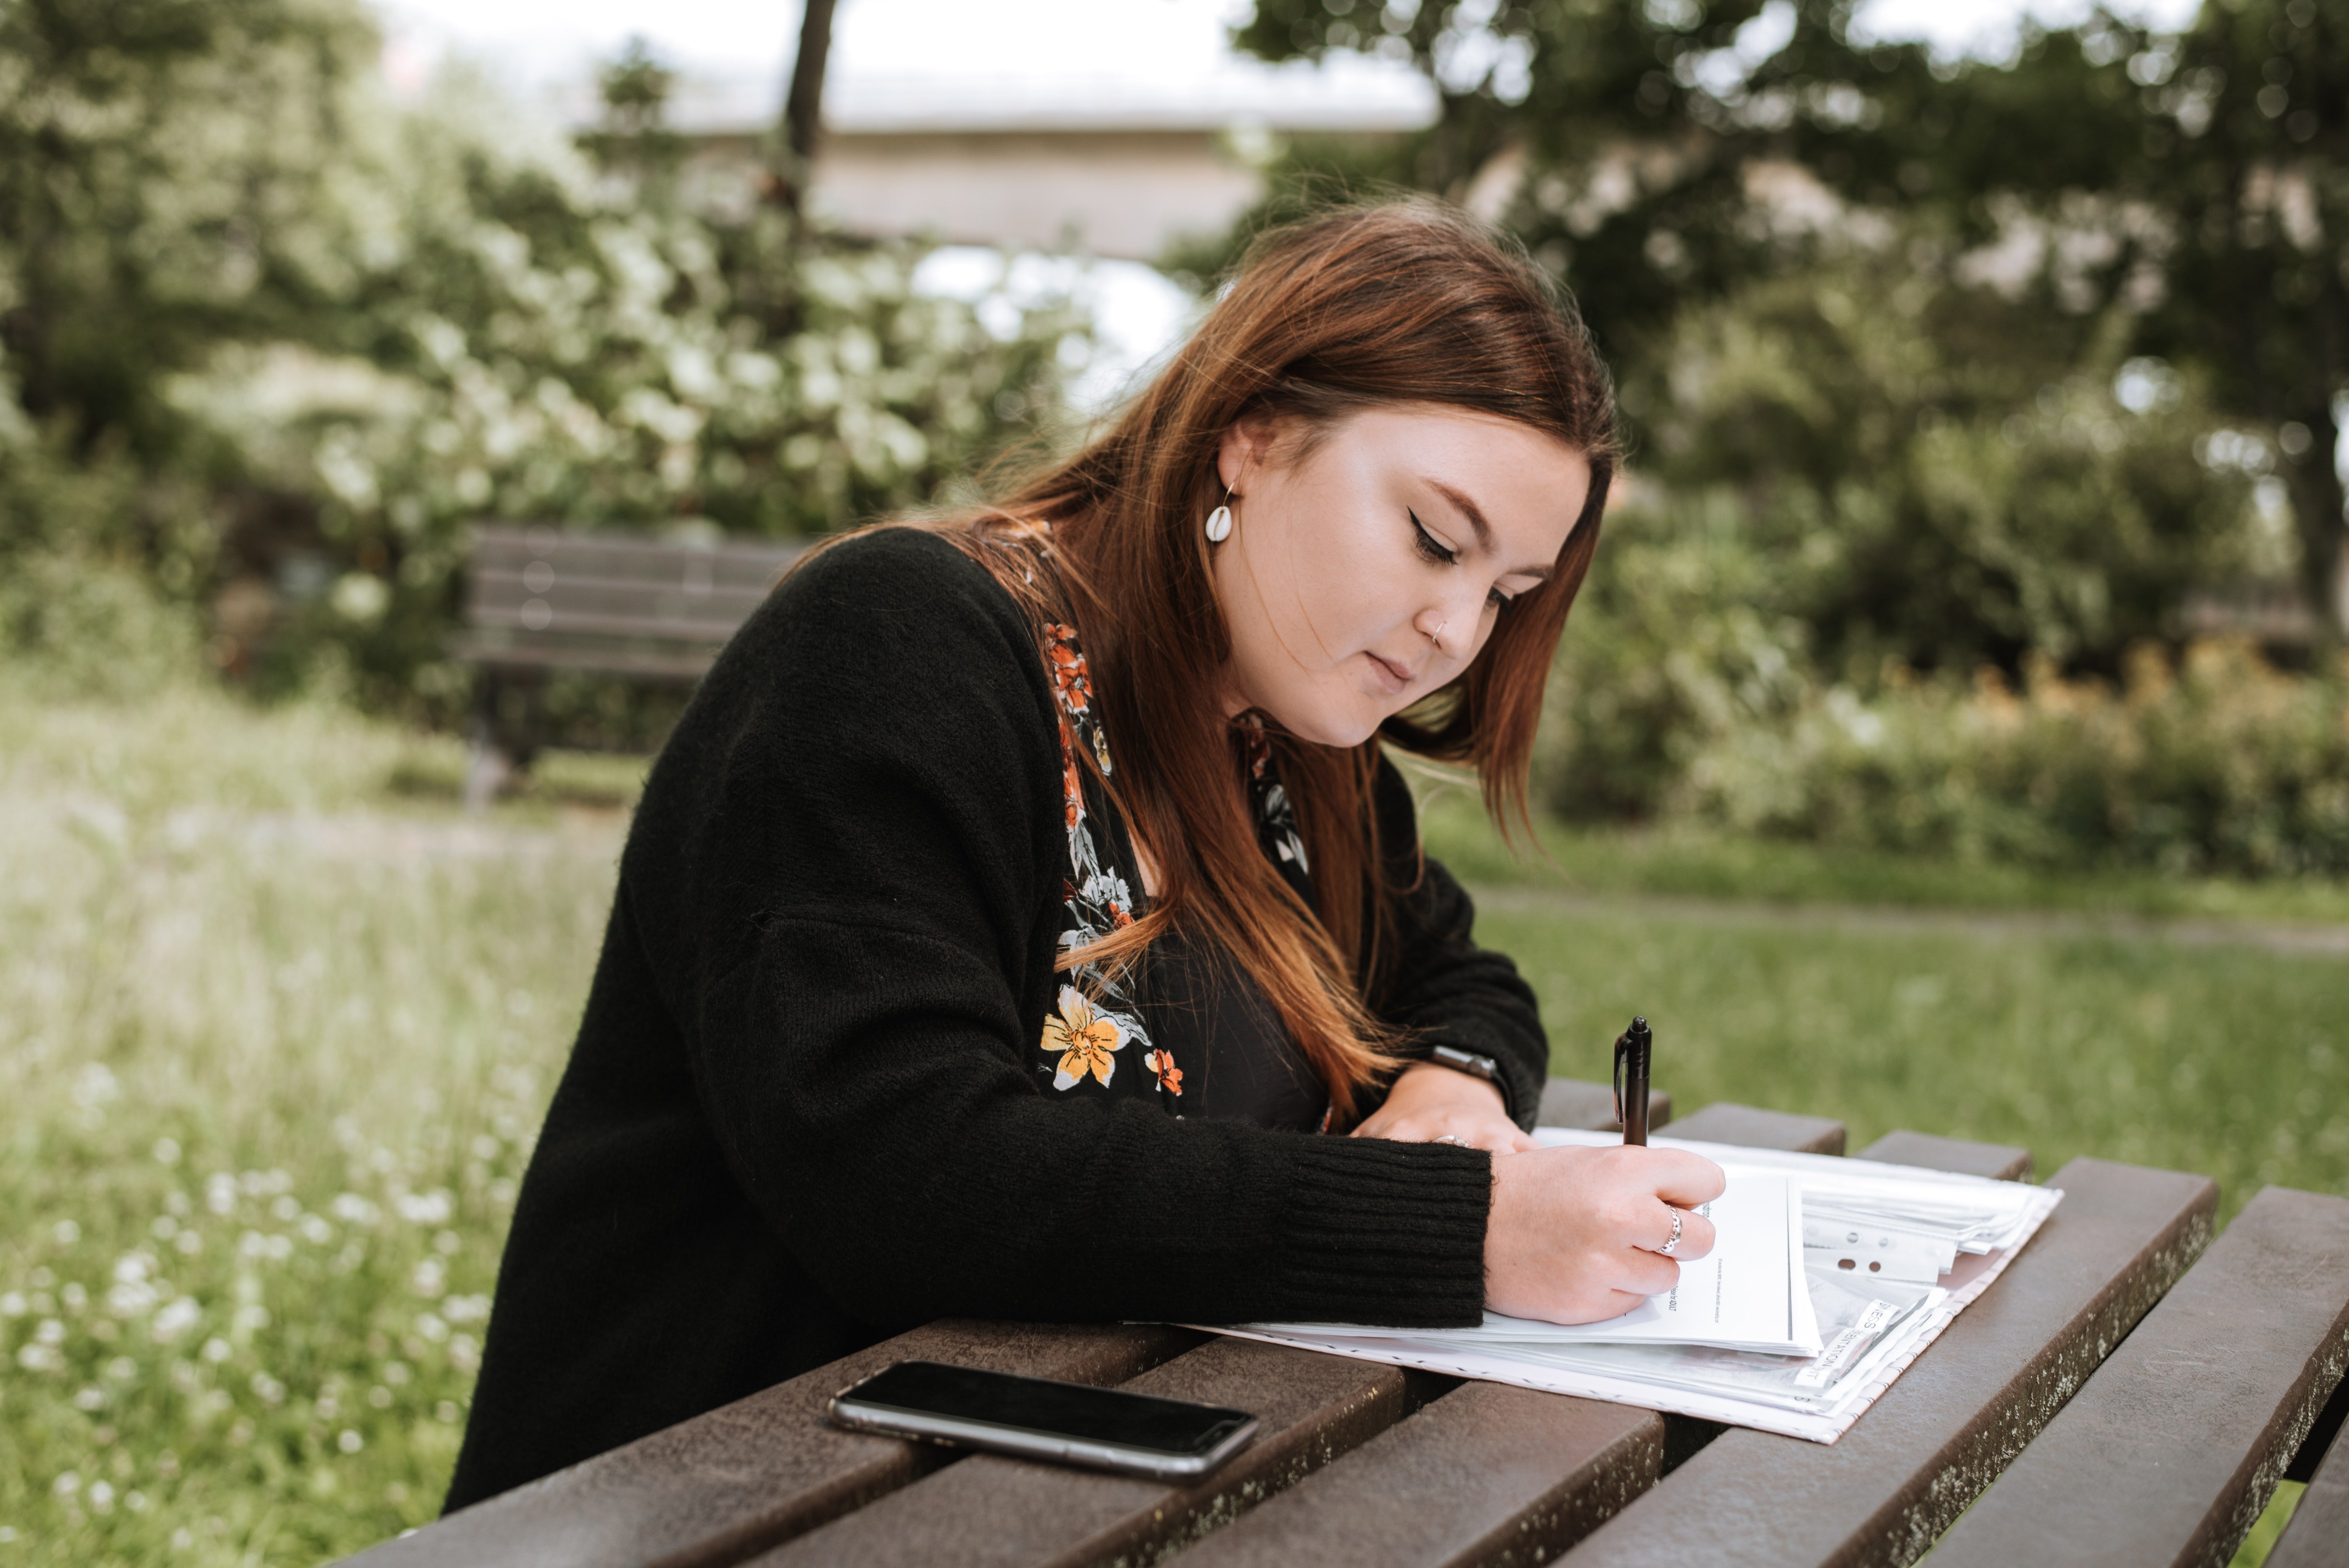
[164, 184]
[802, 126]
[2197, 187]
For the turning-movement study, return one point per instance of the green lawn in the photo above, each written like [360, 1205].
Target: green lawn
[278, 1023]
[1693, 863]
[2232, 1061]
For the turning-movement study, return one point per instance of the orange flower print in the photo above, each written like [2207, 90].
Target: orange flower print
[1170, 1076]
[1069, 675]
[1073, 787]
[1087, 1040]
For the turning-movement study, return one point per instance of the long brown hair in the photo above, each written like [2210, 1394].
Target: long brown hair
[1399, 303]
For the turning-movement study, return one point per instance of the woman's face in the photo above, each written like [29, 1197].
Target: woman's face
[1368, 572]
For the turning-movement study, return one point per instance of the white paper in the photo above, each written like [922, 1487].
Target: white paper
[1854, 1330]
[1747, 1293]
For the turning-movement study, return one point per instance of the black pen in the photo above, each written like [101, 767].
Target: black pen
[1633, 1048]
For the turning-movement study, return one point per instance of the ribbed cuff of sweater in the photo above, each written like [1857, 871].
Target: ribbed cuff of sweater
[1381, 1233]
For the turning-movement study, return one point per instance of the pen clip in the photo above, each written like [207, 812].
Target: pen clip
[1622, 1044]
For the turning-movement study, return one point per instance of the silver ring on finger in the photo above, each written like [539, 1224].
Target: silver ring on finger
[1667, 1248]
[1449, 1138]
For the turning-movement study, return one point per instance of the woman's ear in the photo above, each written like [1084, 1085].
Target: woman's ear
[1246, 444]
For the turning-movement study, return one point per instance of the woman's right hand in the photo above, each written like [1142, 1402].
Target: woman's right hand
[1574, 1232]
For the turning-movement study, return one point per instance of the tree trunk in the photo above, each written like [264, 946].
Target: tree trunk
[804, 106]
[2317, 503]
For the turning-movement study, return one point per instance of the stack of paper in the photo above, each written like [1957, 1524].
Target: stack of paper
[1828, 1278]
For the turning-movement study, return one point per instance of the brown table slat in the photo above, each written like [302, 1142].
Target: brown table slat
[2320, 1523]
[1955, 1418]
[989, 1510]
[2175, 1445]
[1999, 1161]
[1725, 1122]
[714, 1490]
[1485, 1474]
[1572, 1102]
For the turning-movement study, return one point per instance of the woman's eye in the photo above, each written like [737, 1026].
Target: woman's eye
[1500, 601]
[1428, 545]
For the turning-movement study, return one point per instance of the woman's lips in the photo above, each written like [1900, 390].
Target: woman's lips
[1393, 677]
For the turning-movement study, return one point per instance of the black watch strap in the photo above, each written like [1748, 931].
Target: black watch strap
[1475, 1066]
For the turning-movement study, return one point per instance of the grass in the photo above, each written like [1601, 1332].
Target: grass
[1695, 862]
[274, 1061]
[278, 1023]
[2232, 1061]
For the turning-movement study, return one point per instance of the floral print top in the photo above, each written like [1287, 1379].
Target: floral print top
[1103, 1017]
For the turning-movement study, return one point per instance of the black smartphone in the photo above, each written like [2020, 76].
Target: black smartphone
[1037, 1418]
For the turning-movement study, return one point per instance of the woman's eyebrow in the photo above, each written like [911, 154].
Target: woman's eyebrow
[1482, 529]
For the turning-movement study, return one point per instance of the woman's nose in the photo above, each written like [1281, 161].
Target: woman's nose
[1449, 623]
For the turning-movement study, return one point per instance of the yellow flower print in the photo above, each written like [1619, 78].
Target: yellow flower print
[1086, 1040]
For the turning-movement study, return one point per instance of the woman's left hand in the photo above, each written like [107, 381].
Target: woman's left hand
[1433, 1104]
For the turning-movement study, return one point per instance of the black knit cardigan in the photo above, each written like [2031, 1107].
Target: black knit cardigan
[801, 1113]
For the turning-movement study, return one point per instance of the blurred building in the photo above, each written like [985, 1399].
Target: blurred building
[1121, 167]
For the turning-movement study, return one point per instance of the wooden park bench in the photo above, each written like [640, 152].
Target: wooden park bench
[539, 599]
[2107, 1401]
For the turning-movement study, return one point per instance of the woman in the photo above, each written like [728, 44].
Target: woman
[1023, 906]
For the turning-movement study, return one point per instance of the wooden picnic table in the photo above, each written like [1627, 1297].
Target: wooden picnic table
[2089, 1407]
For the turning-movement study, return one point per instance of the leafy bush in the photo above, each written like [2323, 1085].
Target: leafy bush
[345, 344]
[2216, 763]
[1839, 520]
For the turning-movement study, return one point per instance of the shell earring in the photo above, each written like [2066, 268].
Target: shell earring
[1219, 522]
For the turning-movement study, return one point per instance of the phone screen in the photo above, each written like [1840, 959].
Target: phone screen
[1110, 1416]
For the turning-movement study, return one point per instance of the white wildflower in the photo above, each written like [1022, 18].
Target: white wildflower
[95, 1086]
[353, 1209]
[431, 1208]
[350, 1442]
[175, 1319]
